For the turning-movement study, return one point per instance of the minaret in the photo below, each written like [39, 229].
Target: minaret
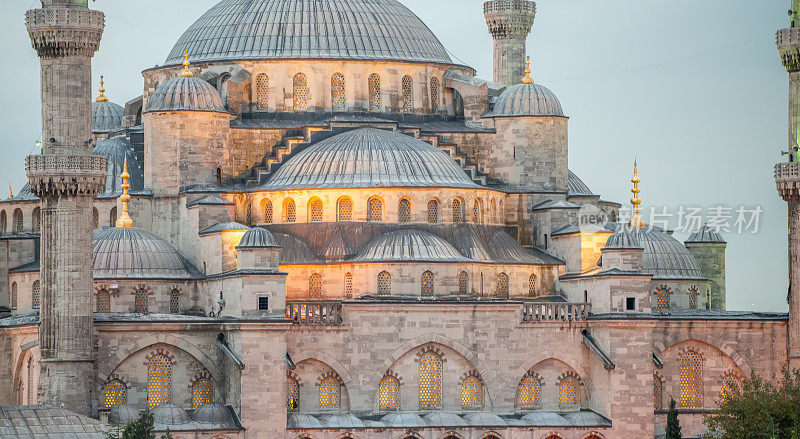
[66, 177]
[509, 22]
[787, 178]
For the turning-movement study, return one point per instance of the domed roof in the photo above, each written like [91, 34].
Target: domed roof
[664, 256]
[185, 93]
[122, 414]
[706, 235]
[409, 245]
[257, 237]
[293, 29]
[576, 186]
[106, 116]
[213, 413]
[116, 150]
[170, 414]
[343, 420]
[546, 418]
[444, 419]
[370, 157]
[294, 250]
[625, 238]
[527, 100]
[484, 418]
[133, 253]
[404, 419]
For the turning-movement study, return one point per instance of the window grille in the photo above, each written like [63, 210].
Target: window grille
[427, 283]
[330, 394]
[266, 210]
[174, 302]
[262, 91]
[434, 95]
[530, 393]
[477, 211]
[159, 380]
[37, 220]
[248, 213]
[658, 392]
[502, 286]
[114, 392]
[300, 92]
[112, 218]
[338, 92]
[263, 303]
[532, 285]
[471, 393]
[384, 283]
[458, 211]
[375, 209]
[292, 393]
[345, 209]
[103, 301]
[19, 222]
[315, 286]
[140, 301]
[729, 384]
[315, 210]
[433, 211]
[691, 370]
[662, 299]
[290, 211]
[348, 285]
[568, 392]
[408, 94]
[404, 211]
[374, 92]
[389, 393]
[202, 392]
[463, 283]
[430, 381]
[36, 295]
[14, 295]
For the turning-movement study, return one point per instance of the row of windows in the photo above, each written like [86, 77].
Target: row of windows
[18, 222]
[663, 293]
[140, 301]
[301, 94]
[35, 295]
[690, 371]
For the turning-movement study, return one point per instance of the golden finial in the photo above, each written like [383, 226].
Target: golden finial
[102, 90]
[124, 219]
[527, 79]
[10, 191]
[636, 219]
[186, 73]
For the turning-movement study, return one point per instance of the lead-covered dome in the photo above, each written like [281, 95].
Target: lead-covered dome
[309, 29]
[185, 93]
[133, 253]
[664, 256]
[527, 100]
[117, 150]
[370, 157]
[106, 117]
[257, 237]
[410, 245]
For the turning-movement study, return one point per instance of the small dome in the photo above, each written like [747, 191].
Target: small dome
[106, 117]
[116, 150]
[444, 419]
[343, 420]
[409, 245]
[586, 418]
[170, 414]
[706, 235]
[664, 256]
[133, 253]
[527, 100]
[404, 419]
[577, 187]
[546, 419]
[213, 413]
[123, 413]
[626, 238]
[257, 237]
[300, 420]
[185, 93]
[484, 418]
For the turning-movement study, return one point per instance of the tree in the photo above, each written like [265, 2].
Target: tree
[141, 428]
[673, 426]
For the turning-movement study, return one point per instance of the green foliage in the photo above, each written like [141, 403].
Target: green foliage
[673, 426]
[141, 428]
[759, 409]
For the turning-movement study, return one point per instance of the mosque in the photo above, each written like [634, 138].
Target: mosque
[314, 224]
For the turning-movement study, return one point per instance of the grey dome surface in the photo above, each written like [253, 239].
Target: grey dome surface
[116, 150]
[170, 414]
[257, 237]
[546, 419]
[404, 419]
[444, 419]
[106, 117]
[626, 238]
[309, 29]
[294, 250]
[123, 413]
[527, 100]
[343, 420]
[300, 420]
[706, 235]
[664, 256]
[133, 253]
[484, 418]
[213, 413]
[576, 186]
[370, 157]
[185, 93]
[409, 245]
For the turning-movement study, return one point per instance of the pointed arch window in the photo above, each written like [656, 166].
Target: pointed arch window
[36, 295]
[662, 298]
[463, 283]
[315, 286]
[19, 222]
[658, 392]
[289, 211]
[530, 393]
[502, 286]
[338, 99]
[330, 394]
[434, 95]
[14, 296]
[404, 211]
[114, 392]
[348, 285]
[493, 211]
[471, 393]
[345, 209]
[375, 211]
[159, 380]
[374, 92]
[532, 285]
[426, 284]
[103, 301]
[389, 393]
[175, 301]
[430, 381]
[262, 91]
[315, 210]
[408, 94]
[95, 218]
[36, 221]
[112, 217]
[433, 211]
[384, 283]
[568, 396]
[691, 376]
[292, 393]
[31, 382]
[300, 84]
[458, 211]
[202, 392]
[477, 211]
[140, 301]
[3, 223]
[729, 385]
[266, 211]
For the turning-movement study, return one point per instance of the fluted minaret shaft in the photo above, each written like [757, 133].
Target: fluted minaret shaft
[66, 34]
[509, 23]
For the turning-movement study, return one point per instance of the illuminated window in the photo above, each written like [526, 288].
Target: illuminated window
[384, 283]
[174, 301]
[430, 381]
[262, 91]
[729, 385]
[289, 211]
[691, 374]
[103, 301]
[568, 392]
[348, 285]
[315, 286]
[530, 393]
[427, 283]
[477, 211]
[140, 301]
[375, 212]
[502, 286]
[36, 221]
[493, 211]
[14, 295]
[300, 92]
[374, 92]
[159, 380]
[433, 211]
[330, 394]
[315, 210]
[662, 298]
[266, 211]
[292, 393]
[532, 285]
[463, 283]
[404, 211]
[434, 95]
[389, 393]
[19, 222]
[471, 393]
[345, 209]
[35, 295]
[338, 92]
[458, 211]
[114, 392]
[202, 392]
[658, 392]
[95, 218]
[112, 217]
[3, 223]
[408, 94]
[248, 213]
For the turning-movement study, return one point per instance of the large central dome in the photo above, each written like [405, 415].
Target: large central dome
[315, 29]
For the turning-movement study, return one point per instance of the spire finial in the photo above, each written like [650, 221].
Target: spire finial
[102, 90]
[636, 219]
[124, 219]
[186, 73]
[527, 79]
[10, 191]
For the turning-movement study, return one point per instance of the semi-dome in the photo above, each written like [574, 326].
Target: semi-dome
[133, 253]
[527, 100]
[170, 414]
[257, 237]
[577, 187]
[122, 414]
[116, 150]
[370, 157]
[185, 93]
[309, 29]
[706, 235]
[106, 117]
[213, 413]
[409, 245]
[625, 238]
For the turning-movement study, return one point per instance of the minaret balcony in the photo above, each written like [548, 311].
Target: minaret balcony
[787, 179]
[60, 175]
[65, 31]
[788, 42]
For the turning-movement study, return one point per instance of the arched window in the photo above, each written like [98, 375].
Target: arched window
[502, 286]
[408, 94]
[248, 213]
[493, 211]
[31, 383]
[330, 394]
[384, 283]
[471, 393]
[463, 283]
[140, 301]
[315, 286]
[19, 222]
[693, 293]
[532, 285]
[112, 218]
[292, 393]
[35, 295]
[300, 92]
[501, 214]
[691, 375]
[174, 301]
[458, 211]
[433, 211]
[95, 218]
[389, 393]
[14, 296]
[568, 396]
[729, 385]
[262, 91]
[348, 285]
[289, 211]
[375, 211]
[202, 392]
[345, 209]
[662, 298]
[315, 210]
[530, 393]
[404, 211]
[477, 211]
[374, 92]
[430, 381]
[426, 284]
[36, 221]
[658, 392]
[3, 223]
[338, 99]
[159, 380]
[434, 95]
[266, 211]
[114, 392]
[103, 301]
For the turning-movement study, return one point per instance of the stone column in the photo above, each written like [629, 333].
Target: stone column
[66, 34]
[509, 22]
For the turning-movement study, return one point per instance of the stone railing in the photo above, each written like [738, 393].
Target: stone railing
[555, 311]
[314, 313]
[788, 42]
[787, 179]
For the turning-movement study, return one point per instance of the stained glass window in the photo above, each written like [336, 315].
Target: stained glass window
[458, 211]
[384, 283]
[502, 286]
[345, 209]
[375, 212]
[427, 283]
[568, 392]
[202, 392]
[114, 392]
[389, 393]
[315, 286]
[691, 371]
[374, 92]
[658, 392]
[530, 393]
[338, 92]
[471, 393]
[103, 301]
[430, 381]
[262, 91]
[348, 285]
[14, 295]
[463, 283]
[36, 295]
[140, 301]
[532, 285]
[289, 211]
[433, 211]
[266, 211]
[434, 95]
[662, 299]
[300, 92]
[330, 394]
[292, 393]
[315, 210]
[404, 211]
[159, 380]
[174, 302]
[408, 94]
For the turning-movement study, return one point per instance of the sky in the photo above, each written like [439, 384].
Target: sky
[693, 90]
